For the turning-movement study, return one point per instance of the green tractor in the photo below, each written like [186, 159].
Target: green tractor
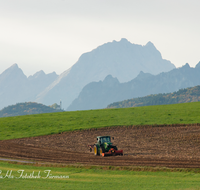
[104, 147]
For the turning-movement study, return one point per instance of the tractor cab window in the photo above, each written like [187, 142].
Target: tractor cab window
[105, 140]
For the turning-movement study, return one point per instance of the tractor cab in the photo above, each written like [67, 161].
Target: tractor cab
[103, 139]
[104, 142]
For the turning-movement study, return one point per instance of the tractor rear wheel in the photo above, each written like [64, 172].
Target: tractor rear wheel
[95, 150]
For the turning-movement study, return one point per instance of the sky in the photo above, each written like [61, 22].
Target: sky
[51, 35]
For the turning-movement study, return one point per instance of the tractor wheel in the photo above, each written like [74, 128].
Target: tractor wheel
[95, 150]
[101, 151]
[112, 151]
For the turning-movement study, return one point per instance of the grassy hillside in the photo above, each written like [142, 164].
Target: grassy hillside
[43, 124]
[181, 96]
[26, 108]
[93, 178]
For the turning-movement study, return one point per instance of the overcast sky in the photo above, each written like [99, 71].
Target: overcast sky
[50, 35]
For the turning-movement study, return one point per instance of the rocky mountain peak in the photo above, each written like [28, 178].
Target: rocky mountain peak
[14, 66]
[150, 44]
[198, 65]
[186, 66]
[124, 40]
[110, 81]
[143, 75]
[151, 49]
[13, 72]
[39, 74]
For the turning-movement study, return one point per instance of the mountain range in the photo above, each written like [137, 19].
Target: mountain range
[123, 60]
[98, 95]
[16, 87]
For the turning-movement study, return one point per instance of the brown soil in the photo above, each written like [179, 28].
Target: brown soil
[167, 146]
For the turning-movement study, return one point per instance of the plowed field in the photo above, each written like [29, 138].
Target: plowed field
[176, 146]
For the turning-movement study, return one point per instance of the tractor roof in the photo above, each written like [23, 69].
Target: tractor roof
[103, 136]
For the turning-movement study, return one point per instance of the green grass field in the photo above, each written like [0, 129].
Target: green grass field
[95, 178]
[44, 124]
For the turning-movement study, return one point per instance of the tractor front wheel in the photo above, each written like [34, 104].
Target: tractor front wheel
[101, 151]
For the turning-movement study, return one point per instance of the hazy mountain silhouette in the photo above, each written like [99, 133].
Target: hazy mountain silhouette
[122, 59]
[16, 87]
[97, 95]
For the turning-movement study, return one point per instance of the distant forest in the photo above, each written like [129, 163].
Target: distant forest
[26, 108]
[181, 96]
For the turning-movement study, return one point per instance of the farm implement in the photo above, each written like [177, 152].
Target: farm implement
[104, 147]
